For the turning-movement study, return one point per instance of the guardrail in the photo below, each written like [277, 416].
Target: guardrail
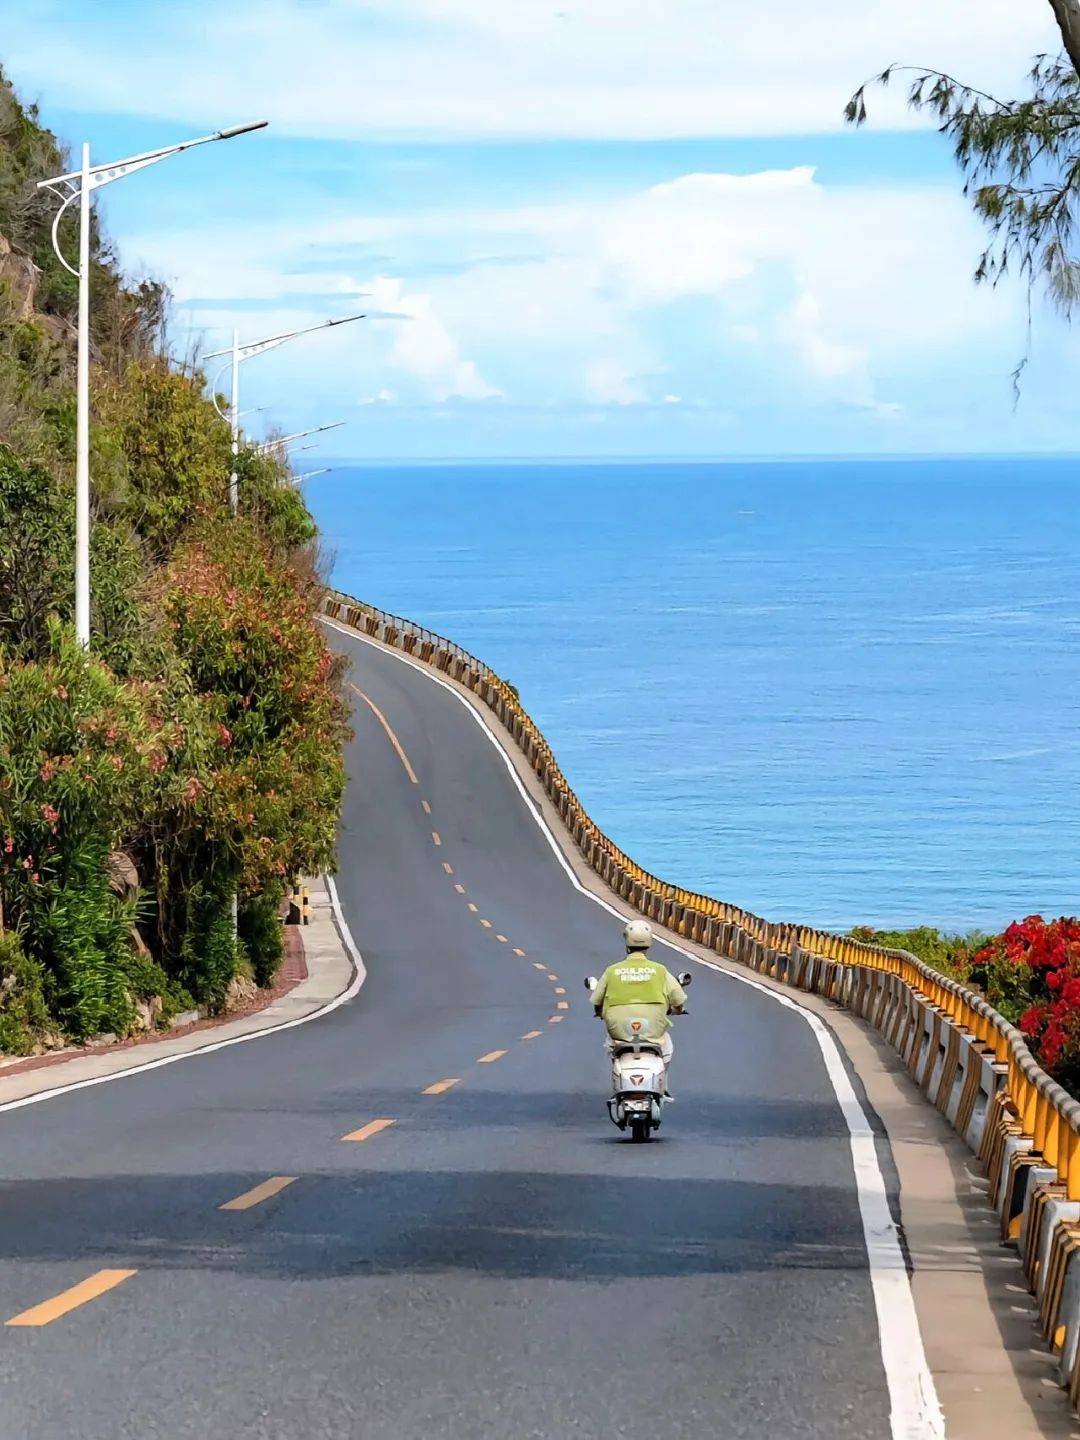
[969, 1061]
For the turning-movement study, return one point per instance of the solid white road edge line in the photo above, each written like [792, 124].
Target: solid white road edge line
[359, 976]
[915, 1411]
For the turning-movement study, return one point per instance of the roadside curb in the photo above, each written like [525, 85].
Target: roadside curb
[335, 972]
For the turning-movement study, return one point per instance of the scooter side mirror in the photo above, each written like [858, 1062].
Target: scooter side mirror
[685, 978]
[591, 982]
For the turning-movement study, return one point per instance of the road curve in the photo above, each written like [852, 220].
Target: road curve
[488, 1259]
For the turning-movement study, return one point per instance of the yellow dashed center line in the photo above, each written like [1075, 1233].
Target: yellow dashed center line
[440, 1087]
[394, 741]
[259, 1193]
[519, 952]
[88, 1289]
[501, 939]
[491, 1057]
[538, 966]
[435, 837]
[563, 1005]
[552, 976]
[532, 1035]
[366, 1131]
[448, 868]
[554, 1019]
[427, 807]
[460, 889]
[486, 924]
[560, 990]
[473, 908]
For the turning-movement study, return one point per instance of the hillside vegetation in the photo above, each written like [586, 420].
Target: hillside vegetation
[194, 754]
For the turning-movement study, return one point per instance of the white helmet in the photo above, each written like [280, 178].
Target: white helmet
[637, 934]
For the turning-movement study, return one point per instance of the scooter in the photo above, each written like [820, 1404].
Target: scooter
[638, 1078]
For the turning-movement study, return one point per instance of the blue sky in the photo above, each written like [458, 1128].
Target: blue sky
[616, 228]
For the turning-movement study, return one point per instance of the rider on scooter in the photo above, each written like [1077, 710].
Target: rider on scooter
[639, 991]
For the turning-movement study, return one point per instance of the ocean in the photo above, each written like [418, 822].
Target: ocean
[837, 692]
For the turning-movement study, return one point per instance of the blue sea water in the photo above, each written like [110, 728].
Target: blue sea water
[831, 691]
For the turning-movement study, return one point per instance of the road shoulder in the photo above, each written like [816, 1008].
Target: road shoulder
[334, 971]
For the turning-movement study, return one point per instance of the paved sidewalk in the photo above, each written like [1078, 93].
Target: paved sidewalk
[331, 974]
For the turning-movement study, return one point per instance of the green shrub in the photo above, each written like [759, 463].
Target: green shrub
[24, 1016]
[261, 931]
[209, 958]
[948, 954]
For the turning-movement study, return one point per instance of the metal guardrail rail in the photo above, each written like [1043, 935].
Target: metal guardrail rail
[974, 1065]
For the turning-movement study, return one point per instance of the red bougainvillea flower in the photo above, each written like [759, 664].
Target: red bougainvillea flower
[1031, 1020]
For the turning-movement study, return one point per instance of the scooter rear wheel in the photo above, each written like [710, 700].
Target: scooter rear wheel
[640, 1128]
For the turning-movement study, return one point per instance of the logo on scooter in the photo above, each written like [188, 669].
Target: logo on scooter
[637, 1079]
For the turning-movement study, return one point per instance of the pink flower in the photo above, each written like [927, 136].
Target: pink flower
[47, 770]
[50, 814]
[9, 844]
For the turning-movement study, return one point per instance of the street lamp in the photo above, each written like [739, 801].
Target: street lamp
[236, 353]
[268, 446]
[79, 185]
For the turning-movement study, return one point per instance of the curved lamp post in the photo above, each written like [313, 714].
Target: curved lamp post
[80, 185]
[238, 353]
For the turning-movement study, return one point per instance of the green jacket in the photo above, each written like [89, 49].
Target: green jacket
[637, 988]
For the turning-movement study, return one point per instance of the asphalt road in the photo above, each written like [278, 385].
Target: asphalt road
[499, 1261]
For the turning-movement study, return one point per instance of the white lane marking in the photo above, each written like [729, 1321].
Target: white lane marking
[359, 976]
[915, 1411]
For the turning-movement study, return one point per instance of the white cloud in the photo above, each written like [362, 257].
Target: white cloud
[424, 348]
[627, 68]
[608, 383]
[771, 285]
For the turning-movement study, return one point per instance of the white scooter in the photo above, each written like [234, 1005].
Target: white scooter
[638, 1079]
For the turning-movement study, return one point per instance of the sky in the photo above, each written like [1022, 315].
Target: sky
[609, 227]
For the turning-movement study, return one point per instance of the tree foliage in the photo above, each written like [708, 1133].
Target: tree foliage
[197, 746]
[1019, 158]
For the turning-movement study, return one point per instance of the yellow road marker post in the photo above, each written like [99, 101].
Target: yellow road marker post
[491, 1057]
[366, 1131]
[440, 1087]
[259, 1193]
[86, 1290]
